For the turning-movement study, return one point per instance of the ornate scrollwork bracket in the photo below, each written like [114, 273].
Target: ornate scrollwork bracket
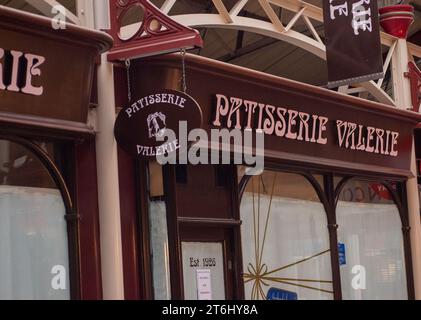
[140, 29]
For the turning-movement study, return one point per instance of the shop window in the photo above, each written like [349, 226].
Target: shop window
[159, 248]
[34, 261]
[285, 240]
[372, 260]
[158, 231]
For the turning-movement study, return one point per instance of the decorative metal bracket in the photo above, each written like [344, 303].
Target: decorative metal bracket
[155, 34]
[414, 75]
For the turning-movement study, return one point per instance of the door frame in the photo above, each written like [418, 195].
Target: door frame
[175, 222]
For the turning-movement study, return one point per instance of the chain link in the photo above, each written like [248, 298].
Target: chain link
[129, 86]
[183, 62]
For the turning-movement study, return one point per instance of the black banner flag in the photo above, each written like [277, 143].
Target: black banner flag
[353, 45]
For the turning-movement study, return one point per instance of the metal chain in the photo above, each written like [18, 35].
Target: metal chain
[129, 87]
[183, 62]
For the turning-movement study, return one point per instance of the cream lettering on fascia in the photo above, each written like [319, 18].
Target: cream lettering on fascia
[15, 64]
[237, 113]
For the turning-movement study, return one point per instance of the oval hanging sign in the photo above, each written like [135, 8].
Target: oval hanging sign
[150, 126]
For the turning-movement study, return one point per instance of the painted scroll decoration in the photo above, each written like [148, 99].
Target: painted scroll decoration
[155, 34]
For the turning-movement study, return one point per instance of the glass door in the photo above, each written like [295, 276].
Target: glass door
[203, 270]
[207, 264]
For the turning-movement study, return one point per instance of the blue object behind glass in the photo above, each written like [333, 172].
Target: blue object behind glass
[341, 252]
[279, 294]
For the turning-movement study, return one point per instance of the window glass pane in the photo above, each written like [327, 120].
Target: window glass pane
[159, 248]
[33, 236]
[158, 233]
[203, 270]
[285, 239]
[364, 192]
[370, 234]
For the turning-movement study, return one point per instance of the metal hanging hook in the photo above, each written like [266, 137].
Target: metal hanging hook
[129, 90]
[183, 62]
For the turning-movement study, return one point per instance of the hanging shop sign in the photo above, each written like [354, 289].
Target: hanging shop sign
[140, 128]
[45, 72]
[352, 38]
[301, 124]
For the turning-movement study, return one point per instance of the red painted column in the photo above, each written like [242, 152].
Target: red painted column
[87, 203]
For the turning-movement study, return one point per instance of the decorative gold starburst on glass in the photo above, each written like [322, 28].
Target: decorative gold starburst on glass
[257, 272]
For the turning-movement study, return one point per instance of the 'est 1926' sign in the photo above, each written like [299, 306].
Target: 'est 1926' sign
[139, 126]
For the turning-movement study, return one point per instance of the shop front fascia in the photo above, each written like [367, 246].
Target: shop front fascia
[49, 208]
[325, 153]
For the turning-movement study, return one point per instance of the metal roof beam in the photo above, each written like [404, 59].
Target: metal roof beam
[46, 8]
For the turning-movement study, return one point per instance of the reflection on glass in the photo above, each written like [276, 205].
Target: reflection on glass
[159, 248]
[285, 239]
[33, 234]
[370, 233]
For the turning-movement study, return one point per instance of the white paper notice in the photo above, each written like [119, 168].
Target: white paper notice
[204, 289]
[203, 256]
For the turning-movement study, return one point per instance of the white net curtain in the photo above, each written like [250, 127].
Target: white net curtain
[33, 234]
[285, 241]
[286, 249]
[370, 229]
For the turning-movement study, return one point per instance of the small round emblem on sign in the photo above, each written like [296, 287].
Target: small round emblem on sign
[151, 125]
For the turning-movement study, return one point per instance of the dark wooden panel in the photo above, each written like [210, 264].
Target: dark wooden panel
[201, 196]
[62, 70]
[129, 225]
[87, 202]
[417, 137]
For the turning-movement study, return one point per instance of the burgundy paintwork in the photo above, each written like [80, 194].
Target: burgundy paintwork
[149, 40]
